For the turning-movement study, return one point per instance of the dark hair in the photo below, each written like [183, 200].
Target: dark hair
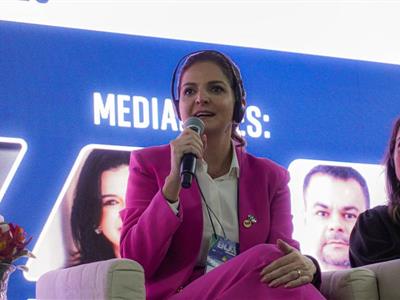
[339, 172]
[392, 182]
[229, 69]
[87, 205]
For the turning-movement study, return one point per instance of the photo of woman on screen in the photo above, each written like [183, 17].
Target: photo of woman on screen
[99, 196]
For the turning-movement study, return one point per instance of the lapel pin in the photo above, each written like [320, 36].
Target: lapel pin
[249, 221]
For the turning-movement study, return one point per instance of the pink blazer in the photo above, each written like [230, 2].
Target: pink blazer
[167, 245]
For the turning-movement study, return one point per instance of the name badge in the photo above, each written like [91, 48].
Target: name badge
[221, 250]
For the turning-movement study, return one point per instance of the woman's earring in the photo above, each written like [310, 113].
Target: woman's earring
[98, 230]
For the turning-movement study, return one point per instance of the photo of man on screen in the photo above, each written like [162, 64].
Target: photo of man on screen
[334, 196]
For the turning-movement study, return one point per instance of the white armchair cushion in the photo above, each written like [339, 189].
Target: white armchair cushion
[351, 284]
[109, 279]
[388, 278]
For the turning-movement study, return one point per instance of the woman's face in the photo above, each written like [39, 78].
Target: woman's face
[396, 155]
[205, 93]
[113, 188]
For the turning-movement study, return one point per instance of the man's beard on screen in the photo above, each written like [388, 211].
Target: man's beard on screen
[331, 257]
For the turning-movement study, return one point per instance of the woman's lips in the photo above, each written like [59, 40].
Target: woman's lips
[204, 114]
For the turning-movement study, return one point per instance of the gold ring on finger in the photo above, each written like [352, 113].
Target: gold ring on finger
[298, 272]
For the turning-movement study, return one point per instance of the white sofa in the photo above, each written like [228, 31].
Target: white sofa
[124, 279]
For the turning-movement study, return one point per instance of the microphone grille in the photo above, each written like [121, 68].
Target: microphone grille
[195, 124]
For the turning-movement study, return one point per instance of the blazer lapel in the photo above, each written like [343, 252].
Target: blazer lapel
[250, 233]
[191, 231]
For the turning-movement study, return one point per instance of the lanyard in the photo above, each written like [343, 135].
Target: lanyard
[211, 212]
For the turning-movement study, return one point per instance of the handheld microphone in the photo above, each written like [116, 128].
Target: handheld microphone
[188, 163]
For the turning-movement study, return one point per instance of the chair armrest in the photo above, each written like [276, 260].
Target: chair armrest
[109, 279]
[387, 274]
[350, 284]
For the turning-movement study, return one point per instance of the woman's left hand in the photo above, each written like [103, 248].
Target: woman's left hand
[291, 270]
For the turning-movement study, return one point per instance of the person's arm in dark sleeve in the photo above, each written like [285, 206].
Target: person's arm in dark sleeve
[317, 276]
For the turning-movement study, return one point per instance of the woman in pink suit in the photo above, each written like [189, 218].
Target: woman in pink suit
[238, 204]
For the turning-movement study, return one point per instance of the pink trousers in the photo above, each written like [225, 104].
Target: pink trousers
[239, 279]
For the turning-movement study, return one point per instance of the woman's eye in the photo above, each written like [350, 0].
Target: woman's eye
[217, 89]
[110, 202]
[188, 91]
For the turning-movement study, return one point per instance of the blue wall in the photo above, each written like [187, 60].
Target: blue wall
[318, 107]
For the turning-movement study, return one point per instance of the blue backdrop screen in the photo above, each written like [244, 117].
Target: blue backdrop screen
[63, 89]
